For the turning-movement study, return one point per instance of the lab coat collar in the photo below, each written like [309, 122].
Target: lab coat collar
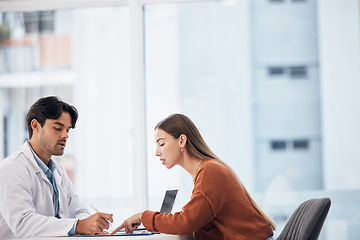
[30, 157]
[45, 168]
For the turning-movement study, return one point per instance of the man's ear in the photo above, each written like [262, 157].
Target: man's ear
[182, 140]
[35, 125]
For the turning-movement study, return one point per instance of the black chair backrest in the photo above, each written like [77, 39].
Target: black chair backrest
[307, 220]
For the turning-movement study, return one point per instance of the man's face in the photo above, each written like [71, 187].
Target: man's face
[53, 135]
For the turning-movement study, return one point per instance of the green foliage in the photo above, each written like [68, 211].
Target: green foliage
[4, 32]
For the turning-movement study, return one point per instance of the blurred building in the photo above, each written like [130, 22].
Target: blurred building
[273, 86]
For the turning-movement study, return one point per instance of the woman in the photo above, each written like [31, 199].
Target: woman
[220, 207]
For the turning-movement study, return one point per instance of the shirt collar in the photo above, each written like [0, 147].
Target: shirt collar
[41, 164]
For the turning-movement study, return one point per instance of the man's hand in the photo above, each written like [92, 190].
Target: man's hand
[95, 224]
[130, 224]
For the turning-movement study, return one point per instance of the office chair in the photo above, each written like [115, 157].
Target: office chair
[307, 220]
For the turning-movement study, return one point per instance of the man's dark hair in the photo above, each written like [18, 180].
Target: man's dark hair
[49, 108]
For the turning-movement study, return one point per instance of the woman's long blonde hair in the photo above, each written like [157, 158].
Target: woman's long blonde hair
[177, 124]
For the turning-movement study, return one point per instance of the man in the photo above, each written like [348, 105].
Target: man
[36, 195]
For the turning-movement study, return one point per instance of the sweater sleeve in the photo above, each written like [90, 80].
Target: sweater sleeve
[194, 215]
[209, 194]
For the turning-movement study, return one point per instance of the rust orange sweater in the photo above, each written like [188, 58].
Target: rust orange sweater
[218, 209]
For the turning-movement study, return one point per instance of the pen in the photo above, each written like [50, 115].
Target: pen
[95, 209]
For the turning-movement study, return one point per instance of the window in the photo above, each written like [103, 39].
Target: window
[278, 145]
[276, 71]
[39, 22]
[297, 72]
[87, 65]
[298, 144]
[194, 61]
[187, 58]
[301, 144]
[292, 72]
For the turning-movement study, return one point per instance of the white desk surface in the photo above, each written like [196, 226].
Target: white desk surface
[133, 237]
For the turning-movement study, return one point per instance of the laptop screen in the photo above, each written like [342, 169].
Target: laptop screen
[169, 199]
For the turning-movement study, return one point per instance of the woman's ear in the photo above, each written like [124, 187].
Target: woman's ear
[182, 140]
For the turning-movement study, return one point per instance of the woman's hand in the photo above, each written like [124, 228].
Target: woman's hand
[130, 224]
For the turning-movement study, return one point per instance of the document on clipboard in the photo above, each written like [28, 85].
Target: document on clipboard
[122, 234]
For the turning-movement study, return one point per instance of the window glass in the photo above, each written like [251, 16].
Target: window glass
[197, 64]
[236, 68]
[39, 22]
[276, 71]
[297, 72]
[213, 61]
[278, 145]
[301, 144]
[81, 55]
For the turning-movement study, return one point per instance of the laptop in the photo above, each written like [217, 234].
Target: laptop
[166, 207]
[169, 199]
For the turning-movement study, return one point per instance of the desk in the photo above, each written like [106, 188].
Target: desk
[153, 237]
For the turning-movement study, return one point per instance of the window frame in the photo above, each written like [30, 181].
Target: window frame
[137, 72]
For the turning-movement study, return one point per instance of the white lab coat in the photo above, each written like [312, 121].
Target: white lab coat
[26, 206]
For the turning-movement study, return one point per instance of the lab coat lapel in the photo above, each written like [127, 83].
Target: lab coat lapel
[58, 178]
[35, 167]
[62, 201]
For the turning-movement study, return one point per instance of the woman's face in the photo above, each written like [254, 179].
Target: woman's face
[168, 149]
